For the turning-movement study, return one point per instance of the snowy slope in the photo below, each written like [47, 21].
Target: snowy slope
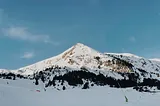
[124, 54]
[17, 94]
[157, 60]
[75, 57]
[80, 55]
[4, 71]
[149, 67]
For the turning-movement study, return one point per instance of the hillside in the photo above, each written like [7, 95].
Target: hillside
[84, 67]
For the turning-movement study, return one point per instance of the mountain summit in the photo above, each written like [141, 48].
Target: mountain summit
[75, 57]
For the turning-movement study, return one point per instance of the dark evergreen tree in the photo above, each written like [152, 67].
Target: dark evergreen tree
[97, 58]
[86, 85]
[64, 88]
[99, 67]
[92, 84]
[36, 83]
[14, 77]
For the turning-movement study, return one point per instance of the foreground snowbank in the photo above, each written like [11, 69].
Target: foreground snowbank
[25, 94]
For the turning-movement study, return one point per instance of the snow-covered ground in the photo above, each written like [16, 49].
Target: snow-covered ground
[18, 93]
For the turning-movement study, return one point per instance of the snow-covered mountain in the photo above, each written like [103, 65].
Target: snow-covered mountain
[75, 57]
[148, 67]
[81, 64]
[81, 55]
[81, 67]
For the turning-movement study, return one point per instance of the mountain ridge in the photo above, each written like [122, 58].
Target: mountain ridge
[82, 66]
[75, 57]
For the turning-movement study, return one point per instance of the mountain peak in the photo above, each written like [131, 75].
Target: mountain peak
[78, 50]
[75, 57]
[79, 44]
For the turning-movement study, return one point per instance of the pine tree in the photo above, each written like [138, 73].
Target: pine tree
[64, 88]
[36, 83]
[86, 85]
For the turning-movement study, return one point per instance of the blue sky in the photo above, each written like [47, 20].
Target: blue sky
[33, 30]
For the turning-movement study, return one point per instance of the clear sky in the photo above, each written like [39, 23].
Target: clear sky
[33, 30]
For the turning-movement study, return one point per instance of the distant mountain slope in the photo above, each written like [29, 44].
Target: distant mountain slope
[82, 65]
[76, 57]
[148, 67]
[81, 55]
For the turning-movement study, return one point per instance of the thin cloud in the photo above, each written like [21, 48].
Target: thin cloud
[28, 55]
[22, 33]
